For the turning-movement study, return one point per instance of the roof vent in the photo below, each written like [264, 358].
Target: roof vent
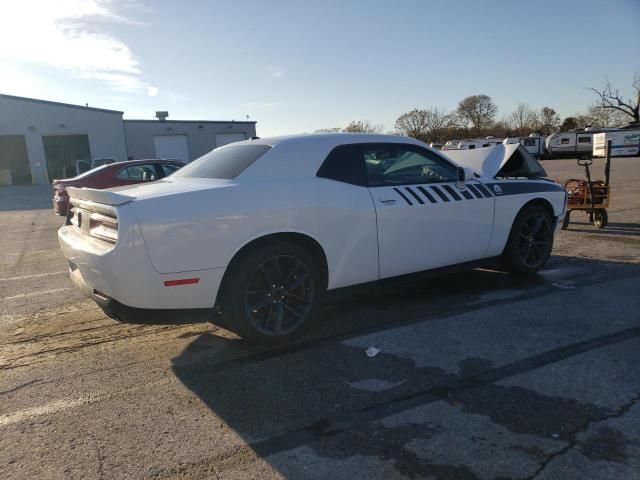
[162, 116]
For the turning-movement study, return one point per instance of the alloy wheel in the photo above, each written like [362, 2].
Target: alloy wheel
[534, 241]
[279, 295]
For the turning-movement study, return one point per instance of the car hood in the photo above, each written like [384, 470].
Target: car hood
[128, 193]
[487, 161]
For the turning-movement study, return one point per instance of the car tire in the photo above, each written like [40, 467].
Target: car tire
[600, 218]
[530, 241]
[271, 293]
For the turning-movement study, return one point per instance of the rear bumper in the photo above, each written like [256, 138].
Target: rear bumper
[125, 313]
[122, 275]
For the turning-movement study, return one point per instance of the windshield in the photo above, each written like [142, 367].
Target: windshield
[223, 163]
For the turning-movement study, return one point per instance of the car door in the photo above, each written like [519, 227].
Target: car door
[425, 219]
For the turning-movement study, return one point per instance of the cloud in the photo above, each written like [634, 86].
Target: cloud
[69, 35]
[275, 72]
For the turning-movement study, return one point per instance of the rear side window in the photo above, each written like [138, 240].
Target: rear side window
[344, 164]
[584, 139]
[224, 163]
[138, 173]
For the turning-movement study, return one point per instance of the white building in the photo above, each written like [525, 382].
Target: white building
[42, 140]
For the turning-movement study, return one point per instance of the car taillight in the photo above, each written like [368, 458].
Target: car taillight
[103, 227]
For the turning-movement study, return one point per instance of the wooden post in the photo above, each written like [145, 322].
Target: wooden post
[607, 164]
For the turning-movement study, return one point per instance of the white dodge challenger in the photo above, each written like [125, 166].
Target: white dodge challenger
[260, 229]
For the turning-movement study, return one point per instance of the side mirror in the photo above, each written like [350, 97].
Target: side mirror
[464, 174]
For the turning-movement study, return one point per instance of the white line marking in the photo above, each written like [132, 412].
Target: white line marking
[35, 275]
[62, 405]
[31, 294]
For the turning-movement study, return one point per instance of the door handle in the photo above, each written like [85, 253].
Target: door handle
[388, 201]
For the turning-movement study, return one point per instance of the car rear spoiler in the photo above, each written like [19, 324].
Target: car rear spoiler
[105, 197]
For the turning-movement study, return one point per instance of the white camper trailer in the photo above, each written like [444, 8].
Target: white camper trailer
[471, 143]
[534, 144]
[623, 142]
[451, 145]
[569, 143]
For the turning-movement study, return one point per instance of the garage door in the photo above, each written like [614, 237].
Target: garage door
[14, 163]
[62, 152]
[226, 138]
[172, 146]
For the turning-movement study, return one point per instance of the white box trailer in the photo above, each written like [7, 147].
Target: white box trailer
[623, 142]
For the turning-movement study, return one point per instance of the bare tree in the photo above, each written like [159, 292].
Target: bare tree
[606, 117]
[362, 126]
[328, 130]
[523, 119]
[569, 123]
[610, 98]
[477, 110]
[549, 120]
[427, 125]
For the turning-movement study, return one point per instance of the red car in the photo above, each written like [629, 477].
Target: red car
[112, 175]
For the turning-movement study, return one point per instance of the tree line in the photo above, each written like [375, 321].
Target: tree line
[476, 116]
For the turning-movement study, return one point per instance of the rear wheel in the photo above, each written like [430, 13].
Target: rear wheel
[600, 218]
[270, 294]
[530, 241]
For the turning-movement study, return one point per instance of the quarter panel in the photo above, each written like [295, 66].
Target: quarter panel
[204, 229]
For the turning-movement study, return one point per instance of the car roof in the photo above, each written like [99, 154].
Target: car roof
[110, 167]
[302, 155]
[329, 139]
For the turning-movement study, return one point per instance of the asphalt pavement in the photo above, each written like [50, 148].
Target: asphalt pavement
[480, 374]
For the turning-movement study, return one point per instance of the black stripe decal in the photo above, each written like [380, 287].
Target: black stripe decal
[452, 192]
[403, 196]
[475, 191]
[440, 194]
[466, 194]
[518, 188]
[415, 195]
[484, 190]
[427, 194]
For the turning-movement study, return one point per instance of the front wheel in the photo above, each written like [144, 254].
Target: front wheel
[530, 241]
[270, 295]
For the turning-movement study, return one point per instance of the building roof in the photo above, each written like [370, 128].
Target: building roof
[246, 122]
[58, 104]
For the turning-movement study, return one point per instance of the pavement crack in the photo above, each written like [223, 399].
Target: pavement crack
[574, 442]
[14, 389]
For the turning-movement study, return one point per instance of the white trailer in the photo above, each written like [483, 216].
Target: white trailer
[623, 142]
[534, 144]
[569, 143]
[472, 143]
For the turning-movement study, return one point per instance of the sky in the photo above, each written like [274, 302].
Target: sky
[298, 66]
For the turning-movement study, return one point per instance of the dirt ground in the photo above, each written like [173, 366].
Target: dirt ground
[481, 375]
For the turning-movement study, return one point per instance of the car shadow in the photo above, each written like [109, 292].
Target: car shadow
[323, 392]
[612, 228]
